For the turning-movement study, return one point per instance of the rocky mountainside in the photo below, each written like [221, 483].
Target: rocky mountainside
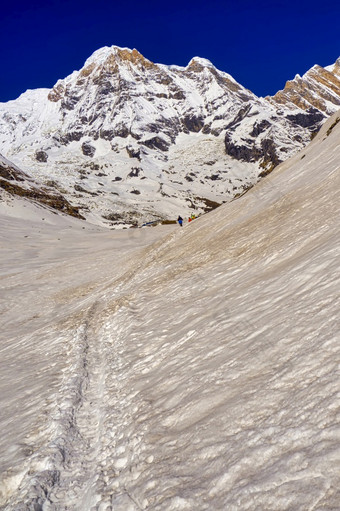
[319, 89]
[127, 140]
[16, 183]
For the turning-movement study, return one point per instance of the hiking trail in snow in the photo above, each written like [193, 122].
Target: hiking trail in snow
[167, 369]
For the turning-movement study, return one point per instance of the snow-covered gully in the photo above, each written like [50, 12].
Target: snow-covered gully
[169, 369]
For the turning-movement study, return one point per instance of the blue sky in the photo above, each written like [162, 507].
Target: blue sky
[261, 43]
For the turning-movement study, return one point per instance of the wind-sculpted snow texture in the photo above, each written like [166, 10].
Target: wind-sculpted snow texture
[177, 368]
[129, 140]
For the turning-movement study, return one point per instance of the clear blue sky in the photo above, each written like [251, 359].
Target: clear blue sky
[260, 43]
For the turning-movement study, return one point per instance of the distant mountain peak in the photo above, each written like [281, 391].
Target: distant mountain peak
[318, 88]
[114, 55]
[100, 55]
[199, 62]
[125, 137]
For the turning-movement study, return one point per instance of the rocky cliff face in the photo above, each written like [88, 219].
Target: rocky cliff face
[119, 93]
[316, 90]
[130, 140]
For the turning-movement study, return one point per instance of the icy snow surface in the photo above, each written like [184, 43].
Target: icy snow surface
[176, 369]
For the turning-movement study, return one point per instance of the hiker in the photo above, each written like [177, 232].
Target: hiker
[193, 216]
[180, 220]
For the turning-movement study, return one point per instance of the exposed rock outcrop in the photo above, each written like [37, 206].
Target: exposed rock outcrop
[318, 88]
[10, 175]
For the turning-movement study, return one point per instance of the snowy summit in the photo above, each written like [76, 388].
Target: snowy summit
[169, 369]
[127, 141]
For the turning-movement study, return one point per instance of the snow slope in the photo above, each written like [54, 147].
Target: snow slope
[171, 369]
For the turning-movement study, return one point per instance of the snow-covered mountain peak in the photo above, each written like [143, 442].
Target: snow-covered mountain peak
[197, 62]
[115, 54]
[99, 56]
[127, 138]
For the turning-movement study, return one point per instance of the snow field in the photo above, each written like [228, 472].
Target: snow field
[170, 369]
[45, 342]
[224, 419]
